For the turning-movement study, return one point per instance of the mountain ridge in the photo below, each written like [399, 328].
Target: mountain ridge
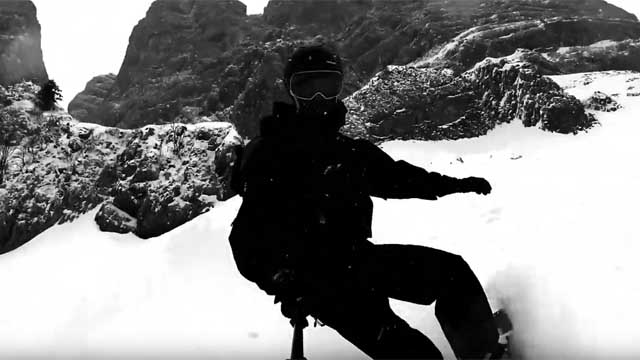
[240, 81]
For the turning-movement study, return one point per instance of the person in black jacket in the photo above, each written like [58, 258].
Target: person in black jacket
[302, 230]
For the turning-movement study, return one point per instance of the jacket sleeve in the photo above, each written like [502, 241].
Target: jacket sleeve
[389, 178]
[247, 164]
[253, 254]
[257, 239]
[236, 179]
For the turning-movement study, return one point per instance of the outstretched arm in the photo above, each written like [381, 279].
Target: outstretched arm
[400, 180]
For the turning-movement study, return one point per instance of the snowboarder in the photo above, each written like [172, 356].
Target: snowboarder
[302, 230]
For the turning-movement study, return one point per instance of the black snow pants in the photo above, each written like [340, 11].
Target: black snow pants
[357, 305]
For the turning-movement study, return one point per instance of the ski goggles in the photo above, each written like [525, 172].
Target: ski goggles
[307, 84]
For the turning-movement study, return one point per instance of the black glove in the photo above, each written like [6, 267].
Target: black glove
[293, 308]
[283, 280]
[287, 293]
[476, 185]
[279, 283]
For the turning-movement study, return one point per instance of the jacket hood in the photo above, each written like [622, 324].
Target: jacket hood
[285, 120]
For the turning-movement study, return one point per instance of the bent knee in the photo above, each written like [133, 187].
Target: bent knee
[459, 271]
[398, 340]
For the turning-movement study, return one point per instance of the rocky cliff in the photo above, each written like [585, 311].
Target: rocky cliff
[20, 49]
[176, 53]
[214, 60]
[497, 40]
[600, 56]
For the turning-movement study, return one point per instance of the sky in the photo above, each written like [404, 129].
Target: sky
[85, 38]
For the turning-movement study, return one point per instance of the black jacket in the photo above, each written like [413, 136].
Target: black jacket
[306, 194]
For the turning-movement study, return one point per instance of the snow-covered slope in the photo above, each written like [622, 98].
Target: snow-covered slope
[556, 243]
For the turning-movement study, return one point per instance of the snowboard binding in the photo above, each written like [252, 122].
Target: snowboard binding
[505, 329]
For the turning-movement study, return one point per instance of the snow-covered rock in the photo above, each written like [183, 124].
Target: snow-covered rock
[174, 172]
[600, 101]
[111, 219]
[407, 102]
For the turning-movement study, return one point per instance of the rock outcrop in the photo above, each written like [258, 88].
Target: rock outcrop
[111, 219]
[215, 60]
[149, 180]
[407, 102]
[20, 49]
[92, 98]
[175, 55]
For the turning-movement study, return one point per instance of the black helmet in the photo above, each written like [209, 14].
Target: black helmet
[313, 70]
[310, 58]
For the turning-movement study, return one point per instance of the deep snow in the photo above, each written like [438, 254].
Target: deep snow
[555, 243]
